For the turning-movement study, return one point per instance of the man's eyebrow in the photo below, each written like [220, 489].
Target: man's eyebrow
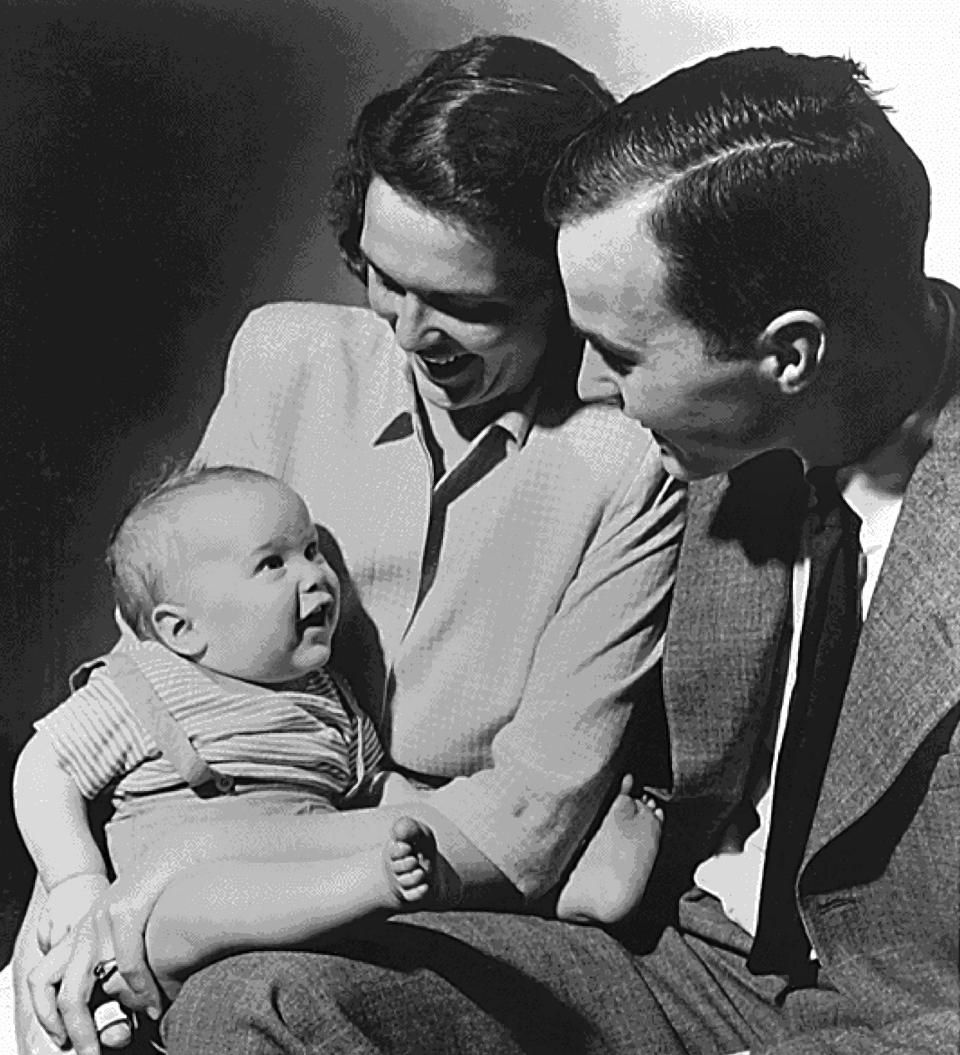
[602, 345]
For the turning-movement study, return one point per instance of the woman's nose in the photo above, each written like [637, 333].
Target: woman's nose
[596, 382]
[414, 327]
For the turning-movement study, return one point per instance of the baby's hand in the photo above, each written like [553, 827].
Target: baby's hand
[67, 903]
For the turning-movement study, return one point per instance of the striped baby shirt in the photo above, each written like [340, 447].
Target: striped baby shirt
[315, 739]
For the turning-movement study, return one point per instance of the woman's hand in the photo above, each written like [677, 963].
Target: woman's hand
[61, 984]
[65, 904]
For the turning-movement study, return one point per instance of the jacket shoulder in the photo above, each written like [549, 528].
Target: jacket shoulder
[297, 331]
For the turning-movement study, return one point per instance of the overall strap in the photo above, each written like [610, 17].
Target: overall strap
[169, 736]
[352, 708]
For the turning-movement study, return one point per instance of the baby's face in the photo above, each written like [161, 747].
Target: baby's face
[254, 583]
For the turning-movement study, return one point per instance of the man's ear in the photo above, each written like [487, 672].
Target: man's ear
[176, 629]
[792, 348]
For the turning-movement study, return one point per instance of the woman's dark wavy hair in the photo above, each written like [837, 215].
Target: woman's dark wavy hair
[779, 183]
[472, 137]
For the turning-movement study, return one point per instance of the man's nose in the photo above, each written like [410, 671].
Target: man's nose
[596, 382]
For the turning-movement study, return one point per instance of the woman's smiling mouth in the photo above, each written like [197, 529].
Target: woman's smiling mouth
[445, 368]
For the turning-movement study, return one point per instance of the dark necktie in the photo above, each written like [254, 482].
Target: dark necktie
[828, 642]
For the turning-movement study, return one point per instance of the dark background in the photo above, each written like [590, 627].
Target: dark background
[163, 170]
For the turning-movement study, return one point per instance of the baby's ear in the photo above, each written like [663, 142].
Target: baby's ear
[175, 629]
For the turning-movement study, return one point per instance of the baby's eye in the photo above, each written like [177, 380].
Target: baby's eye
[271, 563]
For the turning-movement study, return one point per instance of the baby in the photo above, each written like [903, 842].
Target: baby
[226, 704]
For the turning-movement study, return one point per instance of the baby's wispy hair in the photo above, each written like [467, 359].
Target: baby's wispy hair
[144, 545]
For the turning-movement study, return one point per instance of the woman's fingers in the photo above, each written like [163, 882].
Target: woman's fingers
[43, 983]
[61, 984]
[44, 928]
[126, 924]
[89, 947]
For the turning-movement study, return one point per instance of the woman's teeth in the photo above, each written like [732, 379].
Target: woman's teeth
[445, 365]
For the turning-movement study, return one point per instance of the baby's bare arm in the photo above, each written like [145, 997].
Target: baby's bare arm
[52, 815]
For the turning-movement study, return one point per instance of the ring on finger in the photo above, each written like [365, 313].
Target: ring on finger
[105, 969]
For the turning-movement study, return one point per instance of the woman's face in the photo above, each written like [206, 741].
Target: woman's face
[473, 318]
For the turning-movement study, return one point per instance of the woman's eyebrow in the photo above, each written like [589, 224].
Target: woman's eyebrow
[383, 275]
[429, 295]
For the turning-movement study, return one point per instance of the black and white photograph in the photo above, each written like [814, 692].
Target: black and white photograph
[481, 546]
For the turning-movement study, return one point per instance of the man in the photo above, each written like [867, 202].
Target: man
[742, 247]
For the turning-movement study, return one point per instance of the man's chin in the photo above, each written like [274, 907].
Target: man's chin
[687, 467]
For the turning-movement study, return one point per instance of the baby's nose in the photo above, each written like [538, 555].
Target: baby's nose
[311, 577]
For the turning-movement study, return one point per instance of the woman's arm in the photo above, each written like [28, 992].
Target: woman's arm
[594, 671]
[176, 909]
[340, 873]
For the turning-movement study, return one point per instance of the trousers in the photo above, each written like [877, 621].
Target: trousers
[483, 983]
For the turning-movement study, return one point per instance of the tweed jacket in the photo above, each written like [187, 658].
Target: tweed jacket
[879, 888]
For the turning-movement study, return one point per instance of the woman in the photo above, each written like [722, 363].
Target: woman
[510, 563]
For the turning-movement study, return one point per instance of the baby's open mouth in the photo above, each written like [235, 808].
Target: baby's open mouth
[319, 617]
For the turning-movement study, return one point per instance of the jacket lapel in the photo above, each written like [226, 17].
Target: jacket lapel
[726, 621]
[906, 675]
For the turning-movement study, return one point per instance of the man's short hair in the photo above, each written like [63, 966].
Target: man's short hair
[144, 544]
[778, 182]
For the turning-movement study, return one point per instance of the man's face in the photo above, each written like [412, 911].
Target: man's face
[474, 319]
[707, 415]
